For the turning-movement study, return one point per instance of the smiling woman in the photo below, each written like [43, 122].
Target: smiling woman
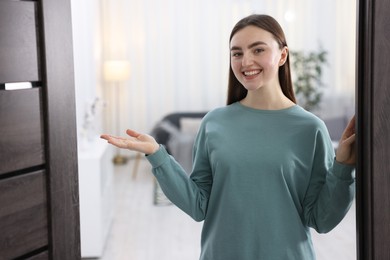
[252, 180]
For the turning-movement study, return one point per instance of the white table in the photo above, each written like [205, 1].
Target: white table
[96, 196]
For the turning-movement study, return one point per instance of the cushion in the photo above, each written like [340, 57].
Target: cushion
[190, 125]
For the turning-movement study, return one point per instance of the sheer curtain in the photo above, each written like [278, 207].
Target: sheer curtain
[179, 50]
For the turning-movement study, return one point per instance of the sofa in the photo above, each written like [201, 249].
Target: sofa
[171, 124]
[177, 132]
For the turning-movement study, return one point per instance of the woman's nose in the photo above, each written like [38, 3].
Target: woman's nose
[247, 60]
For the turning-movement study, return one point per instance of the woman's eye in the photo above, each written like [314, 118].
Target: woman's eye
[236, 54]
[259, 50]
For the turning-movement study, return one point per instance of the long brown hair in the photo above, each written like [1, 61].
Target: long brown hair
[236, 90]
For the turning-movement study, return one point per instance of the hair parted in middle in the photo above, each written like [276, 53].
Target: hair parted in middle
[236, 90]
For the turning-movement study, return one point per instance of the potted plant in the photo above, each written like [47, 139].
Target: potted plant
[307, 69]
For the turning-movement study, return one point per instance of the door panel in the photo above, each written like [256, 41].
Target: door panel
[381, 130]
[21, 134]
[18, 41]
[23, 217]
[41, 256]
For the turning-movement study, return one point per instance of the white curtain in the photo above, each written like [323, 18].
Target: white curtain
[179, 49]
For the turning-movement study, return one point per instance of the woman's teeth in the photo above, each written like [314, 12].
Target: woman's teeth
[251, 73]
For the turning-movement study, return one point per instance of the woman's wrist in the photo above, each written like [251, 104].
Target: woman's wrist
[155, 148]
[346, 162]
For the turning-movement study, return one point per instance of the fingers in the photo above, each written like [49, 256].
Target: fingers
[115, 140]
[350, 139]
[105, 136]
[110, 137]
[349, 130]
[352, 121]
[132, 133]
[351, 125]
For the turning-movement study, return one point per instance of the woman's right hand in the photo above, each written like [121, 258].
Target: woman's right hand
[136, 141]
[346, 152]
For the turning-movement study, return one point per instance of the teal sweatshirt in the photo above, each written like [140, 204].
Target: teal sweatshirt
[260, 180]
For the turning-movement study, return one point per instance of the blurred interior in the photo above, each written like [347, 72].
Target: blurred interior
[138, 61]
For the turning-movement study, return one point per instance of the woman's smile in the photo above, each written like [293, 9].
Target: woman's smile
[251, 72]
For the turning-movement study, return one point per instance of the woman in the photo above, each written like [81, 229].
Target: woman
[264, 169]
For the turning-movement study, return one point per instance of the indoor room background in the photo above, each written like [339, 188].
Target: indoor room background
[177, 58]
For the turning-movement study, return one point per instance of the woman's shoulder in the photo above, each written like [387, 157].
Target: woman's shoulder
[219, 112]
[308, 118]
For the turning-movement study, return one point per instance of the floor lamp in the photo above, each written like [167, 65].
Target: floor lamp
[116, 72]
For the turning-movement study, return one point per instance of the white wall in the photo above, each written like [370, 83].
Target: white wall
[87, 52]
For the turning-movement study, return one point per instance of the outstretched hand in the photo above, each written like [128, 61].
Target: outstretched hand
[346, 151]
[136, 141]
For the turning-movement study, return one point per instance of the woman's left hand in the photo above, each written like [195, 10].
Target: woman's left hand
[346, 151]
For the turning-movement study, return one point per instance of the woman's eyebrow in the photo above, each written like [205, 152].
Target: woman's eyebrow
[233, 48]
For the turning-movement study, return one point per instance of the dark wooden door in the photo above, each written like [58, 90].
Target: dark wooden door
[39, 205]
[373, 168]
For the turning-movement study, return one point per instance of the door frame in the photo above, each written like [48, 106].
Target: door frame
[60, 128]
[373, 130]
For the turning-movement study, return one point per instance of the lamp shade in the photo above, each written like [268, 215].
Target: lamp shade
[116, 70]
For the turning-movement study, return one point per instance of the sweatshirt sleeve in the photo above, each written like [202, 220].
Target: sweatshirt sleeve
[331, 188]
[189, 193]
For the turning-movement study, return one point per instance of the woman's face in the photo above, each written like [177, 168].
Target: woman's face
[256, 57]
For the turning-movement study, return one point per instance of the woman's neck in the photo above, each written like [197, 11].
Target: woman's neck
[267, 100]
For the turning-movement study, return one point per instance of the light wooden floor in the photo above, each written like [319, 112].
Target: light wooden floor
[142, 231]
